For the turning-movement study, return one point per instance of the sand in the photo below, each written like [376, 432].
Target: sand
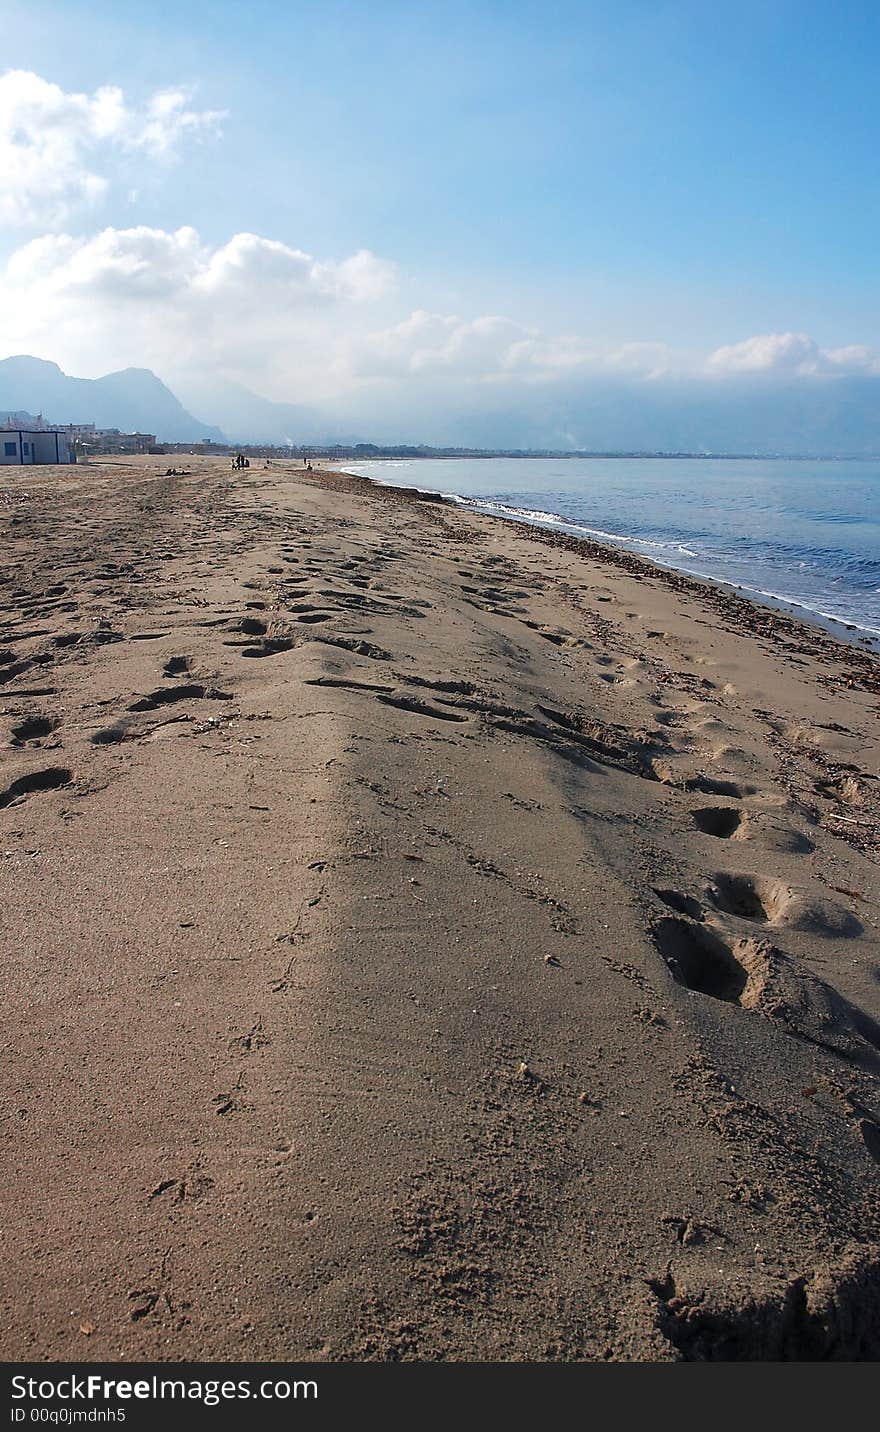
[423, 938]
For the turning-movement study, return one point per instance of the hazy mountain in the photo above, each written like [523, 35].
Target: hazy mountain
[821, 415]
[134, 400]
[798, 416]
[248, 418]
[824, 416]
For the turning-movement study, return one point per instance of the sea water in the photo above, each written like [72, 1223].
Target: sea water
[801, 534]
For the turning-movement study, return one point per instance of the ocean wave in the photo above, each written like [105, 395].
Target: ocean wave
[657, 548]
[556, 519]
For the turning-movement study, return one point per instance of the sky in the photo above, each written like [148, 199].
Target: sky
[368, 204]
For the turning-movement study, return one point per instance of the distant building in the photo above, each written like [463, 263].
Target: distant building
[22, 446]
[112, 440]
[25, 439]
[79, 432]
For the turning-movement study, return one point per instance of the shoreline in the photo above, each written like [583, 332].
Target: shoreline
[866, 656]
[425, 939]
[862, 637]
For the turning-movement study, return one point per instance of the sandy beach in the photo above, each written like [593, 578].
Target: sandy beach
[424, 937]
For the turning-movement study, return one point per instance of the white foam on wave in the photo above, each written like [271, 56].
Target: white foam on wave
[782, 598]
[555, 519]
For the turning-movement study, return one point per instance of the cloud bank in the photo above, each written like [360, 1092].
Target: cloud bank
[149, 297]
[791, 355]
[296, 326]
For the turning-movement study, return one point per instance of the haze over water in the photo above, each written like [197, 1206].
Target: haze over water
[800, 532]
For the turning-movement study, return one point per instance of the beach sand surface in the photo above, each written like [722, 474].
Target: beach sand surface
[424, 938]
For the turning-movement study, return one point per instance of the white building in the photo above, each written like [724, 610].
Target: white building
[19, 446]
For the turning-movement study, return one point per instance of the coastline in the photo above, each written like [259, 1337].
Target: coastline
[843, 628]
[428, 937]
[743, 606]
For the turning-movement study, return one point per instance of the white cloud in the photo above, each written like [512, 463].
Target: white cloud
[300, 328]
[248, 265]
[149, 297]
[166, 120]
[856, 358]
[364, 277]
[792, 355]
[488, 349]
[54, 144]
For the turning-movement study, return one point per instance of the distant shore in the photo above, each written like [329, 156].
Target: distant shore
[367, 452]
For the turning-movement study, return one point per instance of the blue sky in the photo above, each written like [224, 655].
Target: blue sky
[637, 173]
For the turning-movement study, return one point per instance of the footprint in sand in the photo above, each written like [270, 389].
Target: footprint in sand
[113, 735]
[33, 728]
[51, 779]
[722, 822]
[558, 636]
[670, 774]
[710, 726]
[759, 977]
[700, 960]
[709, 786]
[176, 666]
[765, 900]
[165, 695]
[774, 834]
[681, 903]
[269, 646]
[615, 679]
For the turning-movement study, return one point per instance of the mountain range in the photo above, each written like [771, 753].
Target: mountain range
[794, 416]
[248, 418]
[798, 417]
[133, 400]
